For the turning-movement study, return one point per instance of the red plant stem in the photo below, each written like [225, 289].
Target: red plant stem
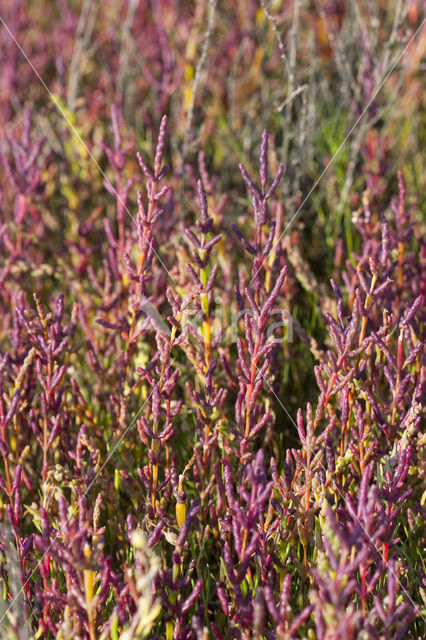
[146, 239]
[250, 387]
[363, 573]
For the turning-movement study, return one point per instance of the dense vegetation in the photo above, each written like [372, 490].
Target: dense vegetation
[212, 286]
